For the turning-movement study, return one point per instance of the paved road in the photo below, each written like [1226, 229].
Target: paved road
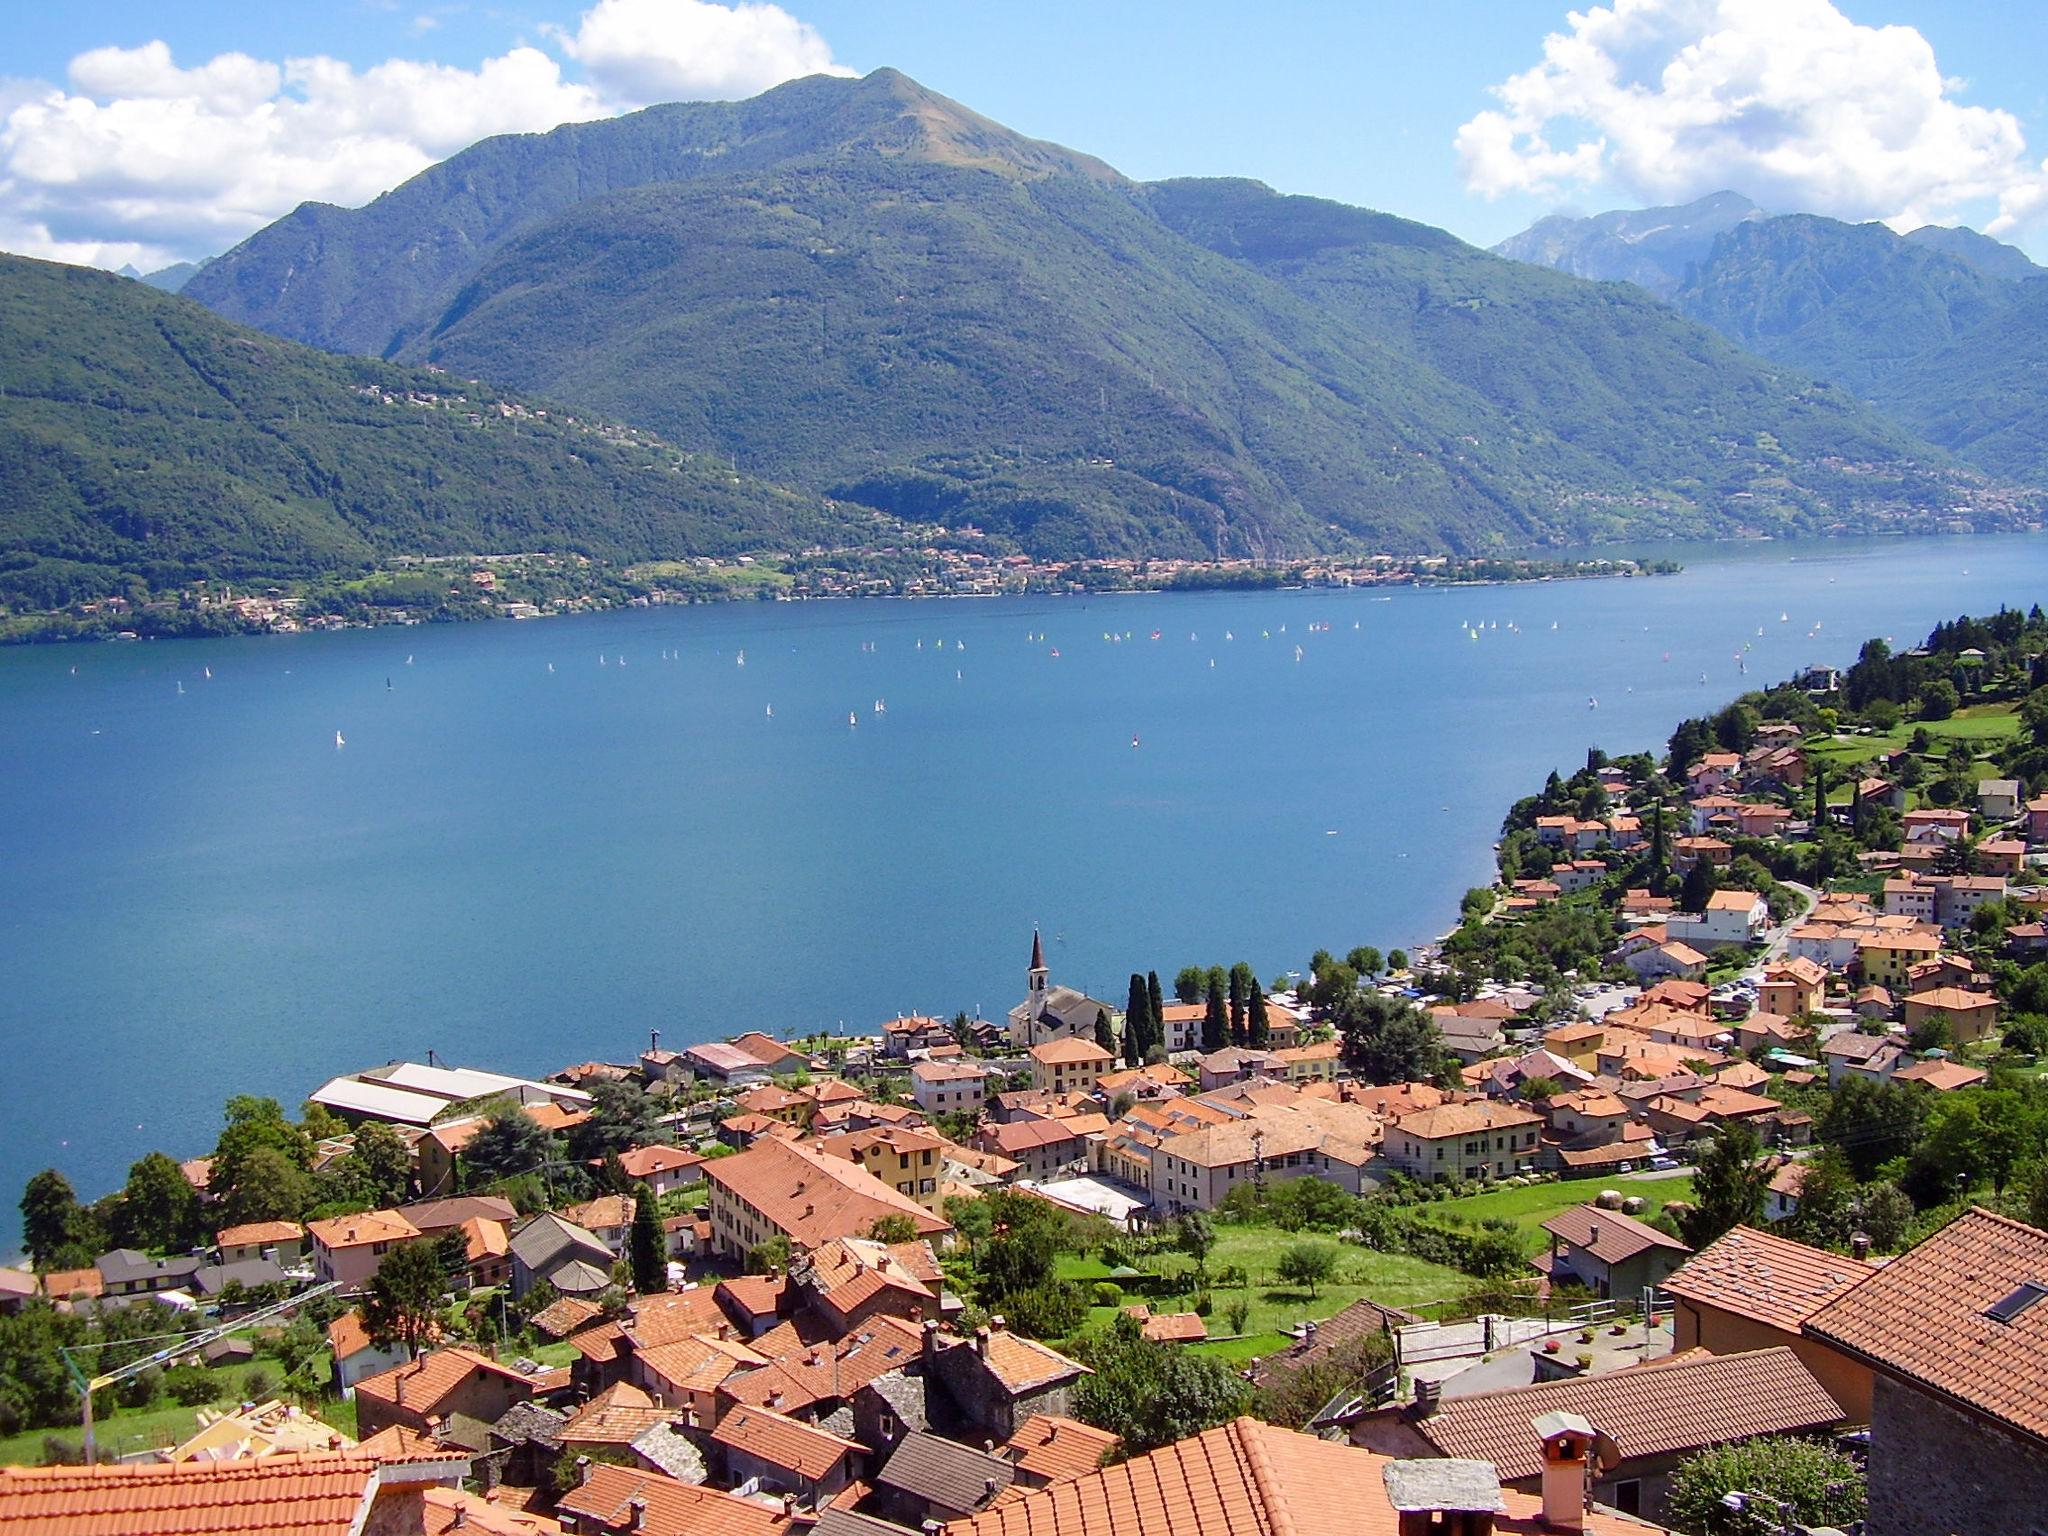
[1809, 898]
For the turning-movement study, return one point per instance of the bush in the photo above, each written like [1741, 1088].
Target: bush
[257, 1384]
[1823, 1486]
[1108, 1293]
[1204, 1304]
[1235, 1311]
[1049, 1311]
[191, 1386]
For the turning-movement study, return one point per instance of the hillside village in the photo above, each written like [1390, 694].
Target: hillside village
[1705, 1161]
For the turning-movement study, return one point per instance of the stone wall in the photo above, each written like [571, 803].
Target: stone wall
[1934, 1469]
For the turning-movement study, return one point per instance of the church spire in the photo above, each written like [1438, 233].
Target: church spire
[1037, 952]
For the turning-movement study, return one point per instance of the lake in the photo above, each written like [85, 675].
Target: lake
[543, 840]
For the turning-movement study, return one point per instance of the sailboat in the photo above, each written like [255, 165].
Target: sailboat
[551, 666]
[852, 719]
[339, 742]
[408, 658]
[1134, 738]
[207, 670]
[771, 711]
[881, 708]
[181, 687]
[741, 659]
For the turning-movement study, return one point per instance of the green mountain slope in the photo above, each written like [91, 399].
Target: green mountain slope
[1929, 336]
[144, 438]
[862, 288]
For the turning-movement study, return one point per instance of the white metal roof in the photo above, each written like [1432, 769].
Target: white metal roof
[399, 1105]
[455, 1083]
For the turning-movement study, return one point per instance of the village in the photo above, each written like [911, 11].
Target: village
[1704, 1159]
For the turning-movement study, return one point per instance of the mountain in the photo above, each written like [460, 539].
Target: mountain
[1653, 248]
[1927, 335]
[145, 439]
[172, 278]
[1994, 258]
[864, 289]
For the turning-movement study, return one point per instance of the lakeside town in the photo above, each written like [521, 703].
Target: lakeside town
[1698, 1181]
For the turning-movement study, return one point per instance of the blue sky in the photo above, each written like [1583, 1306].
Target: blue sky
[133, 153]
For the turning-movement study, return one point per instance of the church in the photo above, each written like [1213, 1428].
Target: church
[1055, 1013]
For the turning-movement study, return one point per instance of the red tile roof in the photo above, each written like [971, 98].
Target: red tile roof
[672, 1508]
[1767, 1278]
[286, 1495]
[811, 1196]
[422, 1384]
[1664, 1407]
[782, 1442]
[1056, 1449]
[1923, 1317]
[260, 1232]
[1608, 1235]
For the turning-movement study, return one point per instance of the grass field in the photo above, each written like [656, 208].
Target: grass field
[1533, 1204]
[1981, 726]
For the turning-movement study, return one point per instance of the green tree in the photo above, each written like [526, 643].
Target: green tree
[1387, 1039]
[769, 1257]
[649, 1249]
[1190, 984]
[509, 1142]
[1872, 1122]
[1155, 1015]
[1823, 1486]
[1137, 1020]
[1105, 1035]
[1365, 960]
[269, 1185]
[1237, 1019]
[1150, 1394]
[1216, 1017]
[612, 1177]
[1938, 699]
[893, 1228]
[1728, 1186]
[1886, 1215]
[623, 1115]
[403, 1303]
[1308, 1262]
[1293, 1396]
[1698, 886]
[1258, 1025]
[159, 1208]
[1397, 960]
[1195, 1235]
[255, 1126]
[49, 1212]
[1024, 1241]
[378, 1165]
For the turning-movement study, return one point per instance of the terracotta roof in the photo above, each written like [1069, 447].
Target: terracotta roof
[1056, 1449]
[362, 1229]
[1733, 901]
[60, 1283]
[450, 1509]
[645, 1162]
[813, 1196]
[1175, 1328]
[1244, 1479]
[1942, 1076]
[1463, 1119]
[260, 1232]
[289, 1495]
[671, 1508]
[423, 1383]
[1954, 999]
[605, 1211]
[1608, 1235]
[1075, 1051]
[782, 1442]
[1767, 1278]
[1923, 1316]
[1023, 1364]
[1014, 1136]
[563, 1316]
[1680, 1403]
[800, 1375]
[618, 1415]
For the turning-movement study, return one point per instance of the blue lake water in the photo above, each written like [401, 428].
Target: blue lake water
[519, 868]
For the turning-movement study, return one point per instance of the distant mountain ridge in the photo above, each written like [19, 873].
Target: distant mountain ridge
[861, 288]
[1654, 248]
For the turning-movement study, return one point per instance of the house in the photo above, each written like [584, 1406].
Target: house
[930, 1479]
[284, 1241]
[1688, 851]
[354, 1355]
[1316, 1063]
[1049, 1449]
[1885, 957]
[326, 1493]
[803, 1193]
[1664, 1411]
[1038, 1148]
[1957, 1340]
[437, 1155]
[2004, 857]
[1972, 1016]
[1483, 1140]
[947, 1087]
[611, 1421]
[1611, 1253]
[551, 1249]
[909, 1162]
[1068, 1066]
[1238, 1064]
[615, 1500]
[2037, 819]
[1345, 1340]
[1874, 1056]
[1054, 1013]
[1731, 917]
[1673, 958]
[903, 1037]
[1941, 1076]
[662, 1169]
[1182, 1024]
[1791, 987]
[1755, 1290]
[422, 1392]
[1196, 1169]
[608, 1218]
[1932, 824]
[850, 1280]
[1781, 1199]
[785, 1454]
[1248, 1476]
[348, 1249]
[997, 1379]
[125, 1272]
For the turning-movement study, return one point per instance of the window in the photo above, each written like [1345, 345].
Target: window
[1628, 1496]
[2010, 1307]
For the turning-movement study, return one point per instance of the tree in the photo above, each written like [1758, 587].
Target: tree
[403, 1303]
[1938, 699]
[1258, 1026]
[1728, 1187]
[379, 1164]
[49, 1213]
[1872, 1122]
[612, 1177]
[893, 1228]
[1137, 1022]
[1105, 1035]
[1365, 960]
[1397, 960]
[1194, 1234]
[1387, 1039]
[1216, 1017]
[1886, 1215]
[1820, 791]
[1190, 984]
[1150, 1394]
[769, 1257]
[1237, 1020]
[649, 1250]
[1309, 1262]
[623, 1115]
[1823, 1486]
[268, 1186]
[256, 1126]
[508, 1142]
[1699, 885]
[159, 1207]
[1155, 1015]
[1025, 1236]
[1293, 1395]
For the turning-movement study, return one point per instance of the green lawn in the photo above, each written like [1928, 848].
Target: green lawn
[1533, 1204]
[1982, 726]
[123, 1432]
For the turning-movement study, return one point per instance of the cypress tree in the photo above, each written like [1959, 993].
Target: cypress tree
[1236, 1007]
[649, 1252]
[1657, 834]
[1820, 795]
[1259, 1029]
[1137, 1022]
[1155, 1034]
[1216, 1018]
[1105, 1036]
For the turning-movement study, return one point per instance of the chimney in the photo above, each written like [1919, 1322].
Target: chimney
[1429, 1395]
[789, 1503]
[654, 1040]
[582, 1469]
[931, 1339]
[988, 1489]
[1567, 1448]
[460, 1518]
[996, 1324]
[775, 1398]
[981, 1342]
[1859, 1244]
[636, 1514]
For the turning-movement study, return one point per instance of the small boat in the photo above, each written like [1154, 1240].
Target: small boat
[551, 666]
[1055, 653]
[408, 658]
[771, 711]
[601, 660]
[181, 687]
[1784, 618]
[207, 670]
[852, 719]
[1228, 635]
[881, 708]
[339, 741]
[1592, 703]
[1134, 738]
[387, 685]
[956, 676]
[741, 659]
[1297, 653]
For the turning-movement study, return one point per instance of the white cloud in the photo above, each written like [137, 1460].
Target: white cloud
[660, 50]
[1787, 101]
[137, 159]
